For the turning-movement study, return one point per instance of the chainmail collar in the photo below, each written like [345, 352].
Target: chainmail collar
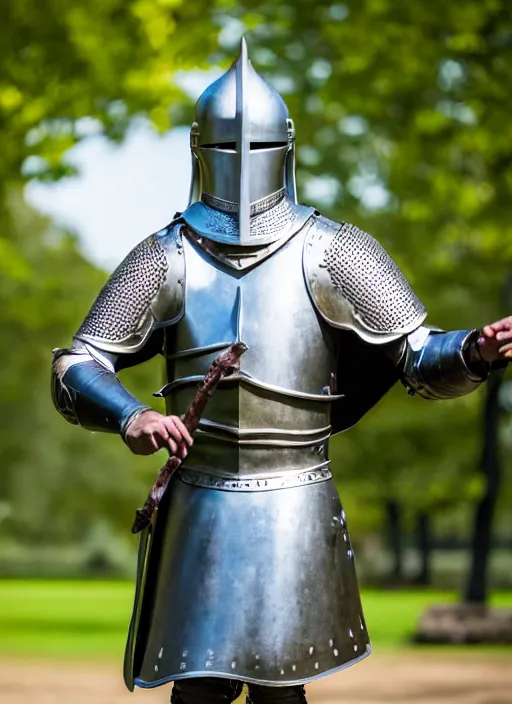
[273, 218]
[259, 206]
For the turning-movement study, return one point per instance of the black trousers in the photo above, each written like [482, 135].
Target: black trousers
[215, 690]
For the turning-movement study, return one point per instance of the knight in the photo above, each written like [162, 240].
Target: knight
[246, 573]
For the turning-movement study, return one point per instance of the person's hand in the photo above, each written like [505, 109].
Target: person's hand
[495, 343]
[151, 431]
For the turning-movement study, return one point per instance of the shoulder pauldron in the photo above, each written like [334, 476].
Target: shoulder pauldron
[355, 285]
[145, 292]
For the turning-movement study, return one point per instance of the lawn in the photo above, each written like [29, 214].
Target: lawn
[89, 619]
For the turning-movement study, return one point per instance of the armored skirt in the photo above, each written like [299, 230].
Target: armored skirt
[257, 586]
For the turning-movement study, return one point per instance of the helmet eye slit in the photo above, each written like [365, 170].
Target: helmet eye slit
[253, 145]
[267, 145]
[219, 145]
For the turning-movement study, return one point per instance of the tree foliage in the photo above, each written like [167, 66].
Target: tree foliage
[402, 118]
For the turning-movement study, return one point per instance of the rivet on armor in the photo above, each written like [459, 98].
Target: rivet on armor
[335, 652]
[160, 653]
[311, 650]
[184, 654]
[156, 668]
[257, 657]
[355, 648]
[317, 665]
[350, 633]
[208, 664]
[282, 672]
[183, 666]
[233, 665]
[331, 643]
[350, 554]
[294, 667]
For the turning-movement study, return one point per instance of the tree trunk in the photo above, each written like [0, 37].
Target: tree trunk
[424, 546]
[393, 512]
[476, 589]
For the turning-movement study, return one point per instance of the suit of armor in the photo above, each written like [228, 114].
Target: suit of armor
[246, 574]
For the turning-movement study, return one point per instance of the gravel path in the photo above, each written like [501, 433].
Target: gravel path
[426, 678]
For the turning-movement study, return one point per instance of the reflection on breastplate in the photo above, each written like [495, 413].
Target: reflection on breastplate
[268, 425]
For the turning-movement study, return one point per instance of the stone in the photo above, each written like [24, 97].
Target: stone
[454, 624]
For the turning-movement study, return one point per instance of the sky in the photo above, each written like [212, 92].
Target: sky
[122, 193]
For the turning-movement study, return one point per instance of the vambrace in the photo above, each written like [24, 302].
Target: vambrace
[88, 393]
[443, 365]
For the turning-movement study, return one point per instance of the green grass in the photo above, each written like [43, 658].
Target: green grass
[90, 619]
[64, 619]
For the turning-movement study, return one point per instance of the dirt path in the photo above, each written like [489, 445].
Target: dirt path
[402, 678]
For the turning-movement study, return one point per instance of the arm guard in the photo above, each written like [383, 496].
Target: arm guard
[443, 365]
[123, 328]
[89, 394]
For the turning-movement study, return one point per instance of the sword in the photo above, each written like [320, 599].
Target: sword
[224, 365]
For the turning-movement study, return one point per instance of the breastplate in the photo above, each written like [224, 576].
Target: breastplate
[268, 425]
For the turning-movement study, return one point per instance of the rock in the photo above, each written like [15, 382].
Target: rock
[464, 623]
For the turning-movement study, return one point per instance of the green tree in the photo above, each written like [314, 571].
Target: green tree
[407, 102]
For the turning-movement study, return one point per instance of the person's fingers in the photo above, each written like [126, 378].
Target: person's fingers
[171, 428]
[183, 430]
[169, 442]
[154, 441]
[503, 324]
[157, 432]
[504, 349]
[488, 331]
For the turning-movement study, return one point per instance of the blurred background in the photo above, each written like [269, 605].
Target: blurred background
[402, 111]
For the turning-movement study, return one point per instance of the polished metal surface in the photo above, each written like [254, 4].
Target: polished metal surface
[437, 369]
[263, 588]
[273, 416]
[243, 378]
[242, 144]
[257, 207]
[221, 181]
[144, 292]
[284, 481]
[236, 257]
[277, 223]
[356, 285]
